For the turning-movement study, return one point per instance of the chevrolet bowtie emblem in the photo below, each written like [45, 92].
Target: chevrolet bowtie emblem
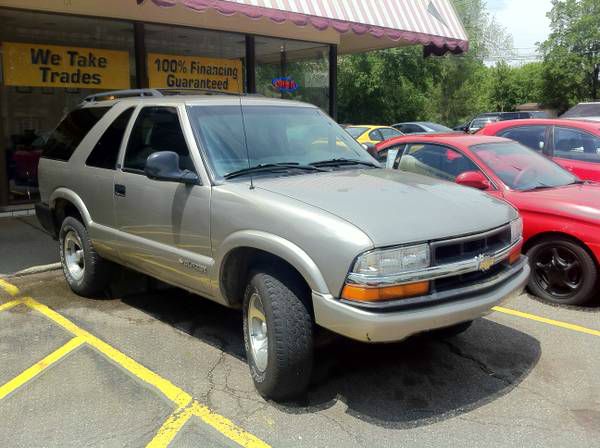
[485, 262]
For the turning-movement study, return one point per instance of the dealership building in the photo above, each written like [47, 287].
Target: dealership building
[53, 53]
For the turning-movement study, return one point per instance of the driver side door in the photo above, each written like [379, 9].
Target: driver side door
[164, 226]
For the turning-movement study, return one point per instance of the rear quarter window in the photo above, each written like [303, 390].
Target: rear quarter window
[72, 129]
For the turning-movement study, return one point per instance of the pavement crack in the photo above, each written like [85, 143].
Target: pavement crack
[479, 363]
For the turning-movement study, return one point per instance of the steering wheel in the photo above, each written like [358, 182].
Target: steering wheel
[522, 175]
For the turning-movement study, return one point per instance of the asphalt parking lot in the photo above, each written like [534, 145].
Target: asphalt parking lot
[165, 368]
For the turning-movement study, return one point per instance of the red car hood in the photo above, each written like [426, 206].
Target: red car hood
[580, 202]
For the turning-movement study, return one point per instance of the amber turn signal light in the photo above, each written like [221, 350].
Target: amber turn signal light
[363, 294]
[515, 255]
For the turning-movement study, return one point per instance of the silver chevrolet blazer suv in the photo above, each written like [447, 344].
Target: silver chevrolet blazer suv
[268, 206]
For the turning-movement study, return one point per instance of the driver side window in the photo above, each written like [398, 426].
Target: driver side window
[435, 161]
[156, 129]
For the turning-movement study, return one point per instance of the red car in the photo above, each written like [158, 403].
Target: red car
[561, 213]
[573, 144]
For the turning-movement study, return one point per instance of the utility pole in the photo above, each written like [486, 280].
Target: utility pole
[595, 80]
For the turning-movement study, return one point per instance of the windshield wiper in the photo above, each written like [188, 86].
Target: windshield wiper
[270, 167]
[342, 162]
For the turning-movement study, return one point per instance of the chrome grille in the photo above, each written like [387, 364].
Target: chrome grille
[451, 251]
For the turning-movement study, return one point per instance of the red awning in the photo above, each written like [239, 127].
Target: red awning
[431, 23]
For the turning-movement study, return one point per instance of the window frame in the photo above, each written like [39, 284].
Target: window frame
[87, 134]
[552, 150]
[371, 135]
[474, 160]
[548, 136]
[185, 130]
[124, 137]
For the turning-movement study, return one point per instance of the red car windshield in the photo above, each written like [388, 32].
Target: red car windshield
[520, 168]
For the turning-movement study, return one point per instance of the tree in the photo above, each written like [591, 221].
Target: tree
[399, 84]
[572, 52]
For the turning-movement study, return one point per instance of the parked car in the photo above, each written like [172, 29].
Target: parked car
[278, 212]
[573, 144]
[587, 111]
[372, 133]
[561, 214]
[420, 127]
[482, 120]
[480, 123]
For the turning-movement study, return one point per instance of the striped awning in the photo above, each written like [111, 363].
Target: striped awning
[431, 23]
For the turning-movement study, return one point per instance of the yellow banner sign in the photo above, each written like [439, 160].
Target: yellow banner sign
[36, 65]
[190, 72]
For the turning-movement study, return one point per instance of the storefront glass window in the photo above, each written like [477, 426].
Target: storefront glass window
[186, 58]
[293, 69]
[48, 64]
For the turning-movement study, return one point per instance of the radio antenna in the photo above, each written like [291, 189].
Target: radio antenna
[246, 142]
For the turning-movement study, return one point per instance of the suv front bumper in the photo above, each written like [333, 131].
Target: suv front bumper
[381, 326]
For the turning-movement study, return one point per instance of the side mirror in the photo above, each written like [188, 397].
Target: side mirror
[164, 165]
[473, 179]
[371, 149]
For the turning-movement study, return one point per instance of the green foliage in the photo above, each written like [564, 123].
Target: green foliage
[389, 86]
[572, 52]
[399, 84]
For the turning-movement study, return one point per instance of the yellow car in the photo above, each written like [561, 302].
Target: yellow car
[366, 133]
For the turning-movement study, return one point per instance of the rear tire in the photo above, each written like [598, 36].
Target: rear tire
[86, 272]
[562, 272]
[278, 333]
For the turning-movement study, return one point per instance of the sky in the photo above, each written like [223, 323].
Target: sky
[525, 19]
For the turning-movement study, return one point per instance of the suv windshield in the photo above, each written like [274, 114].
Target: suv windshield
[520, 168]
[274, 135]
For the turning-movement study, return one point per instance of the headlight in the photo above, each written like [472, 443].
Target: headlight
[516, 230]
[386, 262]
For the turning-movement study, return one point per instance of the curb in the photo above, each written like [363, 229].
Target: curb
[38, 269]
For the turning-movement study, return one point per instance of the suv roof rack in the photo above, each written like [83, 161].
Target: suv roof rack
[117, 94]
[132, 93]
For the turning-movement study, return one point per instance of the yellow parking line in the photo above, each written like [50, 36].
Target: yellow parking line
[545, 320]
[9, 305]
[180, 417]
[171, 427]
[39, 367]
[182, 399]
[172, 392]
[11, 289]
[227, 427]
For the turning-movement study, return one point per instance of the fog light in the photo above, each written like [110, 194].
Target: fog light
[363, 294]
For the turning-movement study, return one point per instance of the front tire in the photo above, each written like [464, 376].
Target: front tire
[86, 272]
[278, 333]
[562, 272]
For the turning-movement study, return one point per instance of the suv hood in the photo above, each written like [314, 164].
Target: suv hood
[394, 207]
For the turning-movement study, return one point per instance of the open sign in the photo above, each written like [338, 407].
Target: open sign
[285, 84]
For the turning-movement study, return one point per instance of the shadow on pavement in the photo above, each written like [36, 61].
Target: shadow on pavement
[402, 385]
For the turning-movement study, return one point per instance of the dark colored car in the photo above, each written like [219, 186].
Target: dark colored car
[588, 111]
[561, 214]
[420, 127]
[482, 120]
[573, 144]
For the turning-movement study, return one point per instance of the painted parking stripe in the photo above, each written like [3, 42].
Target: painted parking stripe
[172, 392]
[10, 289]
[186, 406]
[39, 367]
[555, 323]
[9, 305]
[171, 427]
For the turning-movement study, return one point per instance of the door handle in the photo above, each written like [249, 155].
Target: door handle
[120, 190]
